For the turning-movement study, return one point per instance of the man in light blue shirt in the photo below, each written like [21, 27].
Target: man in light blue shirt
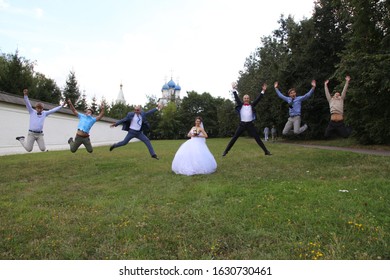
[86, 121]
[295, 104]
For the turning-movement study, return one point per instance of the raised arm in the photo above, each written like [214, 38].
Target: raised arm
[51, 111]
[327, 94]
[235, 93]
[72, 108]
[344, 93]
[263, 89]
[101, 114]
[311, 91]
[125, 119]
[27, 101]
[281, 96]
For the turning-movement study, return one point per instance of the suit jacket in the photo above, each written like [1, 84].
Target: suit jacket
[239, 103]
[127, 120]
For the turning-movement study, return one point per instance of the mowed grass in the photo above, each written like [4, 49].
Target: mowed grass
[300, 203]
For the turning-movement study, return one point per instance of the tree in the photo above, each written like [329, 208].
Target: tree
[153, 119]
[119, 110]
[169, 125]
[71, 90]
[367, 60]
[94, 105]
[16, 73]
[82, 103]
[225, 117]
[203, 105]
[45, 89]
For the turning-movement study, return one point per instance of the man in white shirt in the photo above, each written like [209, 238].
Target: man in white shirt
[134, 123]
[247, 113]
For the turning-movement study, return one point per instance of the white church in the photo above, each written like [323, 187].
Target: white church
[170, 92]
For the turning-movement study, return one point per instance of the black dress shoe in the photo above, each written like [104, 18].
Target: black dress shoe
[155, 157]
[224, 154]
[111, 148]
[268, 153]
[20, 137]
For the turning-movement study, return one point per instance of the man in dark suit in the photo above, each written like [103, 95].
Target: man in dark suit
[135, 122]
[247, 113]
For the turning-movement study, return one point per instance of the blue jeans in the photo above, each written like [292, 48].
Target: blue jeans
[139, 135]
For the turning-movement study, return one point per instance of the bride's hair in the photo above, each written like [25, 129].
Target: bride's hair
[199, 118]
[201, 121]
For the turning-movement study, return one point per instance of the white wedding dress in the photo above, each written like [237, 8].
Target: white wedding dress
[194, 157]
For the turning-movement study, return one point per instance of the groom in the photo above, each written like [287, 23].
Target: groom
[247, 113]
[135, 122]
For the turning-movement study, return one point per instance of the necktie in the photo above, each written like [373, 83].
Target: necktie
[139, 120]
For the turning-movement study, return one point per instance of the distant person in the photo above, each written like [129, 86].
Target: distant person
[86, 121]
[37, 120]
[266, 133]
[194, 157]
[273, 133]
[295, 104]
[336, 124]
[247, 113]
[134, 123]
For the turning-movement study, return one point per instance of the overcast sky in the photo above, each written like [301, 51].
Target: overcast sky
[201, 44]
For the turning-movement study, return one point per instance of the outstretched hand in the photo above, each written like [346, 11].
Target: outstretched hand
[234, 85]
[313, 83]
[276, 84]
[264, 87]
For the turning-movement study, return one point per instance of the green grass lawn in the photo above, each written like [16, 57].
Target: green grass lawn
[300, 203]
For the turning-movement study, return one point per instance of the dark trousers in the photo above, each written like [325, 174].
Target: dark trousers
[139, 135]
[78, 140]
[337, 128]
[250, 127]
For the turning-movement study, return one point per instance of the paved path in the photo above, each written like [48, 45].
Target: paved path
[354, 150]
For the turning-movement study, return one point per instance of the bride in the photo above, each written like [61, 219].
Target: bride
[193, 156]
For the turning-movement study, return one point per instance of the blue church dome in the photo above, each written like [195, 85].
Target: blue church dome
[177, 87]
[165, 87]
[171, 84]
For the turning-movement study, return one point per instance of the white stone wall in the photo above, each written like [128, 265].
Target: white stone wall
[58, 128]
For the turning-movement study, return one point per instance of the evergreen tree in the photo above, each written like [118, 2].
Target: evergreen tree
[71, 90]
[82, 103]
[94, 106]
[16, 73]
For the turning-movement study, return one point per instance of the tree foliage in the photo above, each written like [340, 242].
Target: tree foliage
[17, 73]
[71, 90]
[342, 37]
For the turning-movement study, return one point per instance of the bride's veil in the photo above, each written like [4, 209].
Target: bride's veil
[201, 125]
